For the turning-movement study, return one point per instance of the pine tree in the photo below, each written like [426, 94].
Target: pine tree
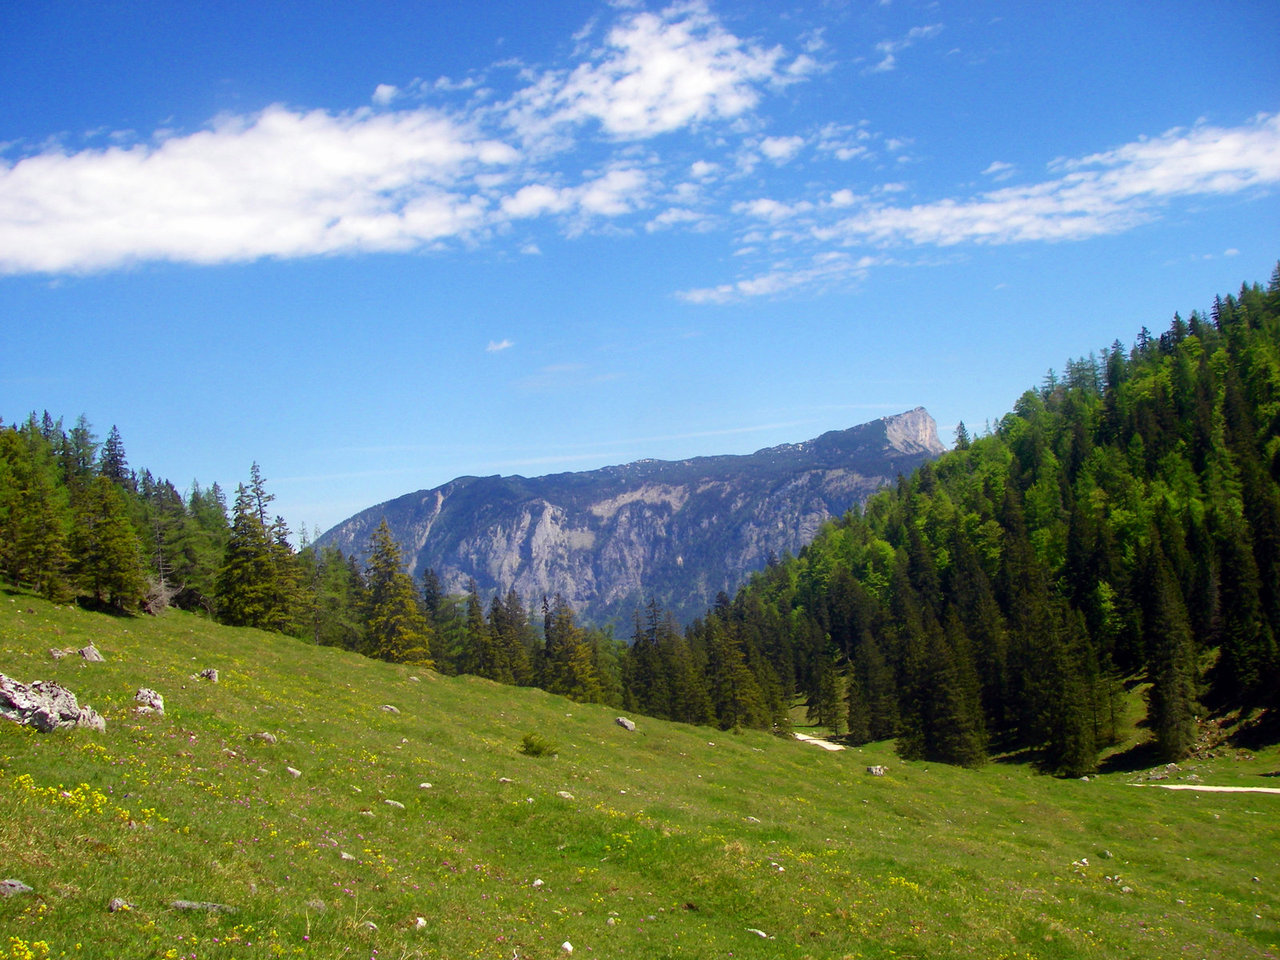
[35, 513]
[397, 631]
[112, 463]
[569, 668]
[245, 589]
[106, 557]
[1174, 691]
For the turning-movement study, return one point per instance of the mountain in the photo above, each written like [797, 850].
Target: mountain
[676, 531]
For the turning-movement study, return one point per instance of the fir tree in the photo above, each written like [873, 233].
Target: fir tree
[106, 557]
[396, 629]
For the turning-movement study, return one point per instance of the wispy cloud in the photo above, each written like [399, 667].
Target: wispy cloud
[888, 49]
[497, 346]
[1096, 195]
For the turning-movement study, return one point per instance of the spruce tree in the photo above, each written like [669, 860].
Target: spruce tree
[397, 630]
[106, 557]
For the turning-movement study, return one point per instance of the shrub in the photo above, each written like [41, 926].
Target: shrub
[534, 745]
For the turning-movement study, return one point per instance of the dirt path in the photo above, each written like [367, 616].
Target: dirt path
[824, 744]
[1205, 786]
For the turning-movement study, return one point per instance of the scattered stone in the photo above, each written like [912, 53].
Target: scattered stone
[46, 706]
[11, 888]
[264, 737]
[209, 674]
[394, 803]
[415, 679]
[1126, 889]
[294, 772]
[202, 905]
[753, 819]
[347, 856]
[58, 654]
[91, 654]
[612, 921]
[759, 933]
[567, 947]
[389, 708]
[564, 795]
[537, 884]
[505, 780]
[424, 786]
[117, 904]
[626, 724]
[419, 923]
[151, 701]
[877, 770]
[317, 906]
[369, 925]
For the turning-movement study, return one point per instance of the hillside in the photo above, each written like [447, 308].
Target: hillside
[609, 540]
[674, 840]
[1120, 527]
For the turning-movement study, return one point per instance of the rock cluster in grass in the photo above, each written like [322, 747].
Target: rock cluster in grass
[876, 771]
[202, 906]
[150, 701]
[11, 888]
[209, 673]
[45, 705]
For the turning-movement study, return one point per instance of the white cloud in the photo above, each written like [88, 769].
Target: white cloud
[673, 217]
[999, 170]
[278, 183]
[831, 268]
[497, 346]
[293, 183]
[1103, 193]
[888, 49]
[657, 72]
[781, 149]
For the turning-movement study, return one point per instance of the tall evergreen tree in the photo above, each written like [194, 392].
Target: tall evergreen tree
[106, 557]
[397, 630]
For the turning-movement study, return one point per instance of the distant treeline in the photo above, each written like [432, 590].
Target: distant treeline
[1122, 524]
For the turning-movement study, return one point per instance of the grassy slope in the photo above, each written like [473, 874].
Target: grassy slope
[683, 837]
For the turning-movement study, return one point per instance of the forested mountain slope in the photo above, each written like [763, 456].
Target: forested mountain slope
[1122, 523]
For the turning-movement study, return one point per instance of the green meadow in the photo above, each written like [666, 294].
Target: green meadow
[424, 831]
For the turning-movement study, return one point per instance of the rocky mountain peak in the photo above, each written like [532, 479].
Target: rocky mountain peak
[608, 540]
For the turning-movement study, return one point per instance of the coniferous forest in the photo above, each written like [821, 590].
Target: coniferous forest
[1119, 529]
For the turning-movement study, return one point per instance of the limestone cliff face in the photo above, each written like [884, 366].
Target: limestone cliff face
[678, 531]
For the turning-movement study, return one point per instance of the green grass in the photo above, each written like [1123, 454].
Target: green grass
[676, 843]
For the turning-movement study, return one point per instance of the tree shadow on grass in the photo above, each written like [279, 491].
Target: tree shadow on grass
[1262, 731]
[1141, 756]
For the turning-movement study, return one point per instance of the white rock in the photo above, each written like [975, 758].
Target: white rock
[567, 947]
[564, 795]
[419, 923]
[294, 771]
[424, 786]
[394, 803]
[537, 883]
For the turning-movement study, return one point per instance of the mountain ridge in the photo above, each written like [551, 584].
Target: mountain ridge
[678, 531]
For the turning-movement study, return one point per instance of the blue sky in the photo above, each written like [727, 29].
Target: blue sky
[376, 247]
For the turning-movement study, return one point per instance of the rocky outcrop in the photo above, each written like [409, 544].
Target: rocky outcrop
[45, 705]
[676, 531]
